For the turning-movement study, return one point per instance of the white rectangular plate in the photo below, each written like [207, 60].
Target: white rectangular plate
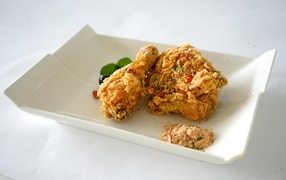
[61, 84]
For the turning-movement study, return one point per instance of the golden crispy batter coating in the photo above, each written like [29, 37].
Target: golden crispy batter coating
[188, 136]
[121, 92]
[184, 82]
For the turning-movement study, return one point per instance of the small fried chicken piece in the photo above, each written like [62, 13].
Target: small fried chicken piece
[188, 136]
[185, 83]
[121, 93]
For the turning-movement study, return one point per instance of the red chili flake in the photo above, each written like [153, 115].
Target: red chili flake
[188, 78]
[162, 93]
[94, 93]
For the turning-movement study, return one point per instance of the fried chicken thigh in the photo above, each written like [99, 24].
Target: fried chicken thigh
[121, 93]
[185, 83]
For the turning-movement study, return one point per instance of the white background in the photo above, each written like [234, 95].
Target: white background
[32, 147]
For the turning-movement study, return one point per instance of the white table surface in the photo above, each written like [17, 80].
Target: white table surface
[33, 147]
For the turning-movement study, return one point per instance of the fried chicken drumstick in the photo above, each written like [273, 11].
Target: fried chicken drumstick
[185, 83]
[121, 93]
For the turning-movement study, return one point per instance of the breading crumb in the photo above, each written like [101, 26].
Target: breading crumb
[189, 136]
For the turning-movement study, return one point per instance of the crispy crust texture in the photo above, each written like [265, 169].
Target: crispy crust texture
[185, 83]
[121, 93]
